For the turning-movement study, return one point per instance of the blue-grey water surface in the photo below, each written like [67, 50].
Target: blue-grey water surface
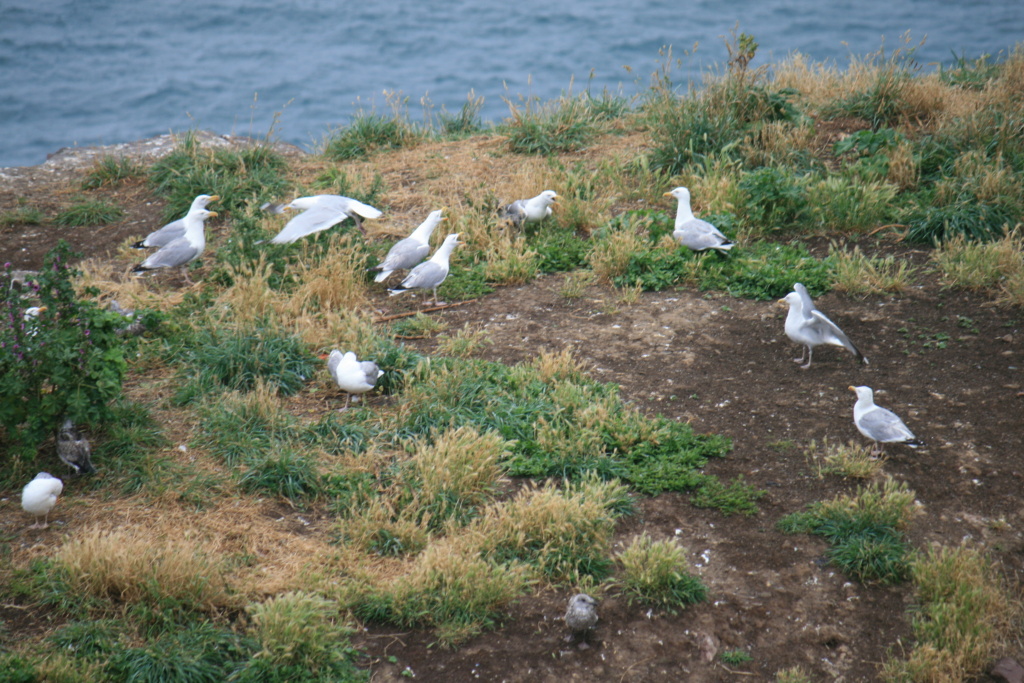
[87, 72]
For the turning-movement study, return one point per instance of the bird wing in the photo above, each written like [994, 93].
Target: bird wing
[405, 254]
[425, 276]
[317, 218]
[371, 371]
[351, 206]
[516, 211]
[829, 333]
[332, 362]
[805, 298]
[884, 425]
[177, 253]
[166, 234]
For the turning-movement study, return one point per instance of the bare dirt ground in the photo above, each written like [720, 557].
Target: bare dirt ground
[950, 365]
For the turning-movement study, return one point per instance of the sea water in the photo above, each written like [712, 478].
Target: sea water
[88, 72]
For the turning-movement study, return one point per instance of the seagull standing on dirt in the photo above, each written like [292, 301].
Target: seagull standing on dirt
[581, 615]
[73, 448]
[174, 229]
[39, 496]
[691, 231]
[352, 375]
[410, 251]
[530, 210]
[185, 249]
[808, 326]
[319, 212]
[430, 274]
[878, 424]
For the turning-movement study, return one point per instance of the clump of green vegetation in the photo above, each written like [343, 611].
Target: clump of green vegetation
[851, 460]
[865, 531]
[564, 125]
[23, 215]
[219, 359]
[86, 212]
[241, 178]
[996, 267]
[109, 170]
[795, 674]
[736, 657]
[856, 273]
[300, 634]
[283, 473]
[965, 616]
[736, 497]
[656, 572]
[465, 122]
[370, 132]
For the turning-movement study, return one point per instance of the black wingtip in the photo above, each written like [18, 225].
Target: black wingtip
[139, 245]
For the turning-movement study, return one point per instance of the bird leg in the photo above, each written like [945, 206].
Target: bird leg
[803, 352]
[44, 525]
[184, 273]
[810, 354]
[348, 399]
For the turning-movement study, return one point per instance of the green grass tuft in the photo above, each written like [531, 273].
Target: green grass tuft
[86, 212]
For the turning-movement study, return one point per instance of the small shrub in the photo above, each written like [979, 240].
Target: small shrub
[88, 212]
[69, 361]
[655, 572]
[775, 200]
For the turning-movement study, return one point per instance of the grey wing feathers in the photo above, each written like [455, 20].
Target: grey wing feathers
[425, 275]
[164, 235]
[831, 333]
[805, 299]
[177, 253]
[333, 360]
[885, 426]
[405, 254]
[371, 371]
[516, 211]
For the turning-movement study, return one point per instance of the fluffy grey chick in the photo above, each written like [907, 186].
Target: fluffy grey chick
[73, 448]
[581, 616]
[529, 210]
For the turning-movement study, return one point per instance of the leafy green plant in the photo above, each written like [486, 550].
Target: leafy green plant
[775, 200]
[655, 572]
[89, 212]
[68, 361]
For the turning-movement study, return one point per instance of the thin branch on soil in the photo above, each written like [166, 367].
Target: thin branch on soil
[425, 310]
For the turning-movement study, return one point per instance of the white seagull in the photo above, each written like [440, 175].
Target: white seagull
[530, 210]
[174, 229]
[808, 326]
[410, 251]
[691, 231]
[430, 274]
[39, 496]
[352, 375]
[185, 249]
[319, 212]
[878, 424]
